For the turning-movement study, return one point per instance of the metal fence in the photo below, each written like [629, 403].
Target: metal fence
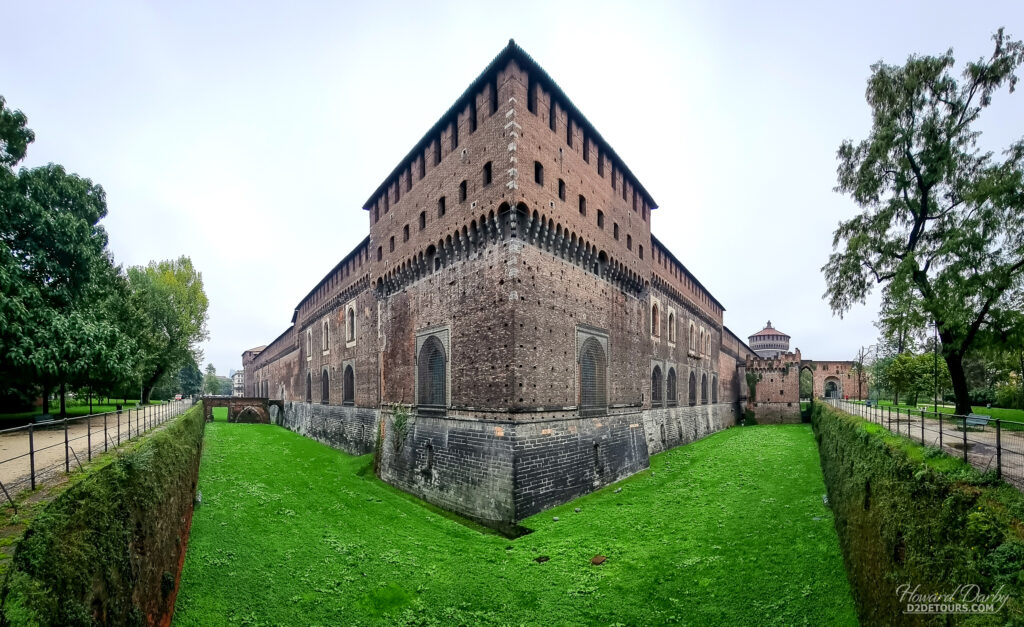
[40, 451]
[995, 444]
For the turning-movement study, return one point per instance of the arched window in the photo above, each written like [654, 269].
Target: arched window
[714, 389]
[351, 318]
[693, 389]
[309, 387]
[325, 335]
[693, 336]
[349, 394]
[656, 386]
[655, 320]
[670, 386]
[309, 342]
[325, 388]
[671, 327]
[432, 374]
[704, 389]
[593, 397]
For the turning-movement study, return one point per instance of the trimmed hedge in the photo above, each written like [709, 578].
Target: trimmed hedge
[906, 514]
[108, 549]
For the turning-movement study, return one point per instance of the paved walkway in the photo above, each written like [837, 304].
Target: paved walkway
[50, 456]
[985, 448]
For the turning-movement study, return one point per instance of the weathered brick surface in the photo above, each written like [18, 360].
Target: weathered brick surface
[350, 429]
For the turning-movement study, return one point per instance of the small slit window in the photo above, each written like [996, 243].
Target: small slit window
[462, 191]
[583, 205]
[561, 189]
[487, 173]
[423, 220]
[600, 219]
[538, 173]
[440, 207]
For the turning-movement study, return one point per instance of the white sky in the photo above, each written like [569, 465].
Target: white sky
[247, 135]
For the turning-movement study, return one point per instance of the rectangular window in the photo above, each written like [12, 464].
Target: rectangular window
[391, 244]
[440, 207]
[538, 173]
[561, 189]
[462, 191]
[380, 253]
[640, 248]
[583, 205]
[531, 96]
[487, 174]
[600, 218]
[423, 220]
[615, 231]
[405, 233]
[629, 242]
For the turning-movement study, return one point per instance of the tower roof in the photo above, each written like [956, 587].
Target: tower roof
[769, 330]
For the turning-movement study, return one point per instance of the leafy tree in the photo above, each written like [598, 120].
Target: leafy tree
[806, 384]
[172, 305]
[940, 221]
[54, 273]
[211, 385]
[190, 378]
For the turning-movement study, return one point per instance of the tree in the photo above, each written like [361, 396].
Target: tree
[806, 384]
[211, 384]
[172, 304]
[54, 274]
[940, 220]
[190, 378]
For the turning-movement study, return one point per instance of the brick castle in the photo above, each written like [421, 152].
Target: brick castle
[511, 292]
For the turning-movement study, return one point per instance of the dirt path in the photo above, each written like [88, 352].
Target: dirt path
[986, 449]
[48, 442]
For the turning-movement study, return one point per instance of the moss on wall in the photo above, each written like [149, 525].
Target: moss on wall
[108, 549]
[906, 514]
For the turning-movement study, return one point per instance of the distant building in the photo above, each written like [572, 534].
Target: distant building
[769, 342]
[238, 383]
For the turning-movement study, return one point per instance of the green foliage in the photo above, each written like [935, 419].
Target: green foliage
[729, 530]
[908, 514]
[940, 225]
[806, 383]
[105, 542]
[172, 313]
[752, 379]
[399, 426]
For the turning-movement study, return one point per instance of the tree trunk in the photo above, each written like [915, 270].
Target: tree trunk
[955, 363]
[63, 406]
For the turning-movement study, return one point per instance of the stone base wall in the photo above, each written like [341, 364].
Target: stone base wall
[499, 471]
[777, 413]
[350, 429]
[459, 464]
[668, 427]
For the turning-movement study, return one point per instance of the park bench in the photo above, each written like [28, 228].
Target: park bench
[977, 420]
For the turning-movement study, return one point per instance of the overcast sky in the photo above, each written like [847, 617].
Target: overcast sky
[246, 135]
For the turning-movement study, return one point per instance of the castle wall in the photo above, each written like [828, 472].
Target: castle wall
[349, 429]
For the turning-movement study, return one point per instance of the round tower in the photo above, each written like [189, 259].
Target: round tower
[769, 342]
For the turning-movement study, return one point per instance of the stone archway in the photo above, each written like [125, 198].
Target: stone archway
[833, 388]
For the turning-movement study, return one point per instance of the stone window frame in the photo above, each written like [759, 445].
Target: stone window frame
[584, 333]
[345, 365]
[672, 320]
[671, 367]
[654, 328]
[351, 332]
[659, 365]
[325, 336]
[443, 333]
[325, 385]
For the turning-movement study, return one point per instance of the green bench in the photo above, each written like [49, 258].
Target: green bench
[977, 420]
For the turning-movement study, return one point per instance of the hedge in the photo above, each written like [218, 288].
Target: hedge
[108, 549]
[907, 514]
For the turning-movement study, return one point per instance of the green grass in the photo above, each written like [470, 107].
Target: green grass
[1000, 413]
[74, 408]
[728, 530]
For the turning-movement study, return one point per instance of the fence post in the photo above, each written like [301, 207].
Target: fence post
[889, 422]
[137, 432]
[32, 455]
[88, 437]
[897, 421]
[105, 438]
[67, 460]
[119, 425]
[922, 427]
[940, 429]
[999, 451]
[965, 438]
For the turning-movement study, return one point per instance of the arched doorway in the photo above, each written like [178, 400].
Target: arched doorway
[833, 389]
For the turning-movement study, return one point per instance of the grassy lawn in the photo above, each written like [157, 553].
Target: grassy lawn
[74, 408]
[728, 530]
[995, 412]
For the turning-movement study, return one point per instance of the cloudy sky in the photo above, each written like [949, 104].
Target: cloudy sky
[246, 135]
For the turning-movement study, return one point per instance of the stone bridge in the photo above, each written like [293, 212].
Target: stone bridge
[243, 408]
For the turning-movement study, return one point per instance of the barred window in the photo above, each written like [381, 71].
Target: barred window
[325, 388]
[593, 365]
[656, 386]
[693, 389]
[309, 388]
[670, 386]
[432, 374]
[349, 395]
[704, 389]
